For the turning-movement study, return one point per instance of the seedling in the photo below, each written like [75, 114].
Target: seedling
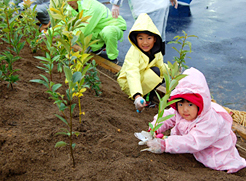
[28, 23]
[6, 69]
[182, 40]
[92, 79]
[48, 63]
[74, 65]
[172, 78]
[11, 34]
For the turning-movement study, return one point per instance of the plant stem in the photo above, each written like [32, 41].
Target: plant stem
[50, 75]
[71, 133]
[79, 111]
[11, 86]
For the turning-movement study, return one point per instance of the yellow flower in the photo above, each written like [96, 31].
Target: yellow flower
[28, 2]
[80, 93]
[82, 113]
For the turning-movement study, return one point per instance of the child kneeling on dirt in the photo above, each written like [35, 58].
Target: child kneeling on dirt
[143, 66]
[199, 126]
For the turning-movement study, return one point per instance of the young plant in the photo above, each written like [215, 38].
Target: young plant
[92, 79]
[172, 78]
[182, 40]
[30, 29]
[72, 79]
[48, 63]
[12, 34]
[74, 65]
[6, 68]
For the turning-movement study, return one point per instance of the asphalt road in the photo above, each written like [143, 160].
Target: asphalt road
[219, 52]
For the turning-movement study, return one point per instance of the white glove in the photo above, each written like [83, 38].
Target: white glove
[139, 103]
[156, 145]
[115, 11]
[144, 136]
[174, 3]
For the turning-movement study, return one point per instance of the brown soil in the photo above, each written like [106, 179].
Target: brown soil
[106, 148]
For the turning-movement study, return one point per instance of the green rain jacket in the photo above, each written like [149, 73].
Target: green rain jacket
[135, 74]
[101, 17]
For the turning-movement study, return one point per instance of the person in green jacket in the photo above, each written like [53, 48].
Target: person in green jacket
[143, 68]
[101, 25]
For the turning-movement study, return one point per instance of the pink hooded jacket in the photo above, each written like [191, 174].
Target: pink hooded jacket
[209, 137]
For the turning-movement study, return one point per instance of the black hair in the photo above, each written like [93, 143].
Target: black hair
[158, 46]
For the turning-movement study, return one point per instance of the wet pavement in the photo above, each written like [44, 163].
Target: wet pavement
[219, 52]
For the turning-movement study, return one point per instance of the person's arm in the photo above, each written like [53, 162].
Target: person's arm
[174, 3]
[116, 7]
[201, 136]
[131, 67]
[95, 12]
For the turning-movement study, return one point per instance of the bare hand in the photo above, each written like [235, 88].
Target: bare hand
[174, 3]
[115, 11]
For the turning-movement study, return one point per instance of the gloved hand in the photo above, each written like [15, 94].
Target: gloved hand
[139, 103]
[157, 135]
[144, 136]
[174, 3]
[156, 145]
[115, 11]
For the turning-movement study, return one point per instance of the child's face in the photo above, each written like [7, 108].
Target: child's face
[187, 110]
[145, 41]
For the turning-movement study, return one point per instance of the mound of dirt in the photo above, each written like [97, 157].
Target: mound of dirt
[106, 148]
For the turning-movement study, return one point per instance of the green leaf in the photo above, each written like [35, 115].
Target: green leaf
[75, 38]
[151, 126]
[173, 84]
[68, 94]
[77, 133]
[180, 76]
[72, 107]
[41, 58]
[42, 68]
[159, 98]
[68, 73]
[62, 107]
[165, 118]
[40, 82]
[157, 127]
[175, 49]
[61, 133]
[76, 77]
[160, 113]
[173, 101]
[193, 36]
[167, 81]
[13, 18]
[86, 69]
[60, 144]
[65, 44]
[73, 145]
[61, 118]
[55, 87]
[45, 78]
[174, 42]
[57, 16]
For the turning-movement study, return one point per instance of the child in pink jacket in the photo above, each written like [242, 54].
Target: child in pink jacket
[199, 126]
